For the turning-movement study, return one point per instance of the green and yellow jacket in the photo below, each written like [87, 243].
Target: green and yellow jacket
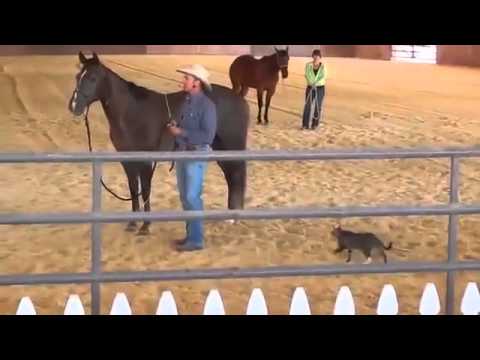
[315, 80]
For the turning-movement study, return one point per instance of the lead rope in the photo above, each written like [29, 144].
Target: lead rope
[169, 121]
[89, 137]
[313, 105]
[87, 125]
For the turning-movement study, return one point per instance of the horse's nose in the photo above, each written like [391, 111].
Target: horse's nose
[73, 102]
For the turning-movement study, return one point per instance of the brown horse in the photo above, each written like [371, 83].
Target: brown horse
[138, 119]
[247, 72]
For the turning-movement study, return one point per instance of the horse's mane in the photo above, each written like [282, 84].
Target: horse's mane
[137, 91]
[263, 58]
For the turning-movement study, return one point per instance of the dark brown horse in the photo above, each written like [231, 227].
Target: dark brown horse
[138, 118]
[262, 74]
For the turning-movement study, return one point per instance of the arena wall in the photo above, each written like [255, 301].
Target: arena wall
[375, 52]
[306, 50]
[257, 50]
[123, 49]
[199, 49]
[70, 49]
[467, 55]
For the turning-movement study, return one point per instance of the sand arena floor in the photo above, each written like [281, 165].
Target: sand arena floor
[368, 104]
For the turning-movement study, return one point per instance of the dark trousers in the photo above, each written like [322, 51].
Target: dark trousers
[318, 97]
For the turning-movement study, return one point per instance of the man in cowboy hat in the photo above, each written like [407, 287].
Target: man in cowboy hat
[195, 131]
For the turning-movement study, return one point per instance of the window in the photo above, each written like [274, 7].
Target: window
[415, 53]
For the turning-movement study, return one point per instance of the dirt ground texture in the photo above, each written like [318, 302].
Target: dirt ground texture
[368, 104]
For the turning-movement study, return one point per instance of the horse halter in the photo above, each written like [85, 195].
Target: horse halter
[283, 66]
[77, 91]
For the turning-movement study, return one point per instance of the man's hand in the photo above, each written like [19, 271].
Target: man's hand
[175, 131]
[172, 122]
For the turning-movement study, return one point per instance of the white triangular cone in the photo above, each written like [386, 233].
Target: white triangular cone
[344, 305]
[74, 306]
[167, 304]
[120, 305]
[25, 307]
[214, 304]
[471, 300]
[430, 302]
[388, 303]
[256, 303]
[299, 304]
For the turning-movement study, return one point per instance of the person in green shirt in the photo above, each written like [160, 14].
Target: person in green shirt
[315, 73]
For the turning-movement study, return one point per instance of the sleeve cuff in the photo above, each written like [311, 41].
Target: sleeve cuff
[184, 134]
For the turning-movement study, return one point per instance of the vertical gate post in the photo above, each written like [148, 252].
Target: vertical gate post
[452, 234]
[96, 246]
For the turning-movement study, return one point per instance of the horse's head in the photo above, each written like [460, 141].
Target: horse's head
[282, 61]
[90, 82]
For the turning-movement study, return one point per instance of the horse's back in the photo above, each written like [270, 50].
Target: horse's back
[248, 71]
[150, 115]
[242, 66]
[243, 59]
[148, 111]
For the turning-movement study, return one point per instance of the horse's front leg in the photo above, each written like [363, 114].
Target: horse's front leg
[146, 174]
[260, 105]
[270, 93]
[132, 175]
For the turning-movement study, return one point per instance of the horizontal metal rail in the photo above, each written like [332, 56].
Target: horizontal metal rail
[251, 214]
[237, 273]
[254, 155]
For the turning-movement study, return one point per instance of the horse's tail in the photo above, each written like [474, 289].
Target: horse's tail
[236, 74]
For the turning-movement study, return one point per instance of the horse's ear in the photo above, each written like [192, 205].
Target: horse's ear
[275, 48]
[287, 48]
[95, 57]
[82, 58]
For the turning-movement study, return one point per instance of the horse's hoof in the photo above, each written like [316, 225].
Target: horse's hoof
[143, 231]
[131, 227]
[368, 261]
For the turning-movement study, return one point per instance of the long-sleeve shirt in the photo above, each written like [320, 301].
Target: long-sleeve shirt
[318, 78]
[198, 120]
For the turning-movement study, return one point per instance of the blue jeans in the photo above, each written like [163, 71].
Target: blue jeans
[318, 109]
[190, 175]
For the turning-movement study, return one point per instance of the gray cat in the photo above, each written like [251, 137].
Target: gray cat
[365, 242]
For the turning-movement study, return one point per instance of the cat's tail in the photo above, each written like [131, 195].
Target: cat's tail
[395, 249]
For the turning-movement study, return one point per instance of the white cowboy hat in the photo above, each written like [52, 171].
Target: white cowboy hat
[199, 72]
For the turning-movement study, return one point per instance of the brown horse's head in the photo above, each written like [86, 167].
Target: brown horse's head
[282, 61]
[90, 81]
